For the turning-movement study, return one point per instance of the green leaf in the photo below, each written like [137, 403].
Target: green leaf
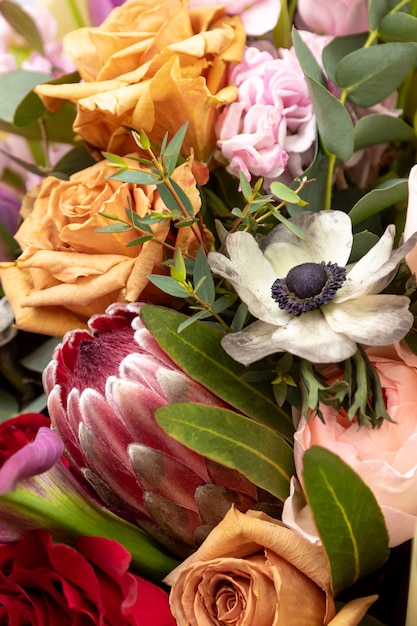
[197, 350]
[173, 149]
[139, 241]
[376, 11]
[14, 87]
[39, 358]
[168, 285]
[178, 271]
[23, 24]
[8, 406]
[233, 440]
[307, 59]
[331, 115]
[382, 197]
[377, 128]
[348, 518]
[371, 74]
[245, 187]
[118, 227]
[207, 291]
[338, 48]
[398, 27]
[284, 193]
[76, 159]
[136, 177]
[184, 199]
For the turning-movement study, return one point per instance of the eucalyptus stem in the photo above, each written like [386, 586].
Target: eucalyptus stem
[208, 308]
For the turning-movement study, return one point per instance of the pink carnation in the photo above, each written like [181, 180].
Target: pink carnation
[271, 127]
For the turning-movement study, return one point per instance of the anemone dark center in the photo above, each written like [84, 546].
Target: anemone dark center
[308, 286]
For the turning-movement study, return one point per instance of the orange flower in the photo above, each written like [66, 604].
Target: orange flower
[250, 570]
[67, 270]
[152, 67]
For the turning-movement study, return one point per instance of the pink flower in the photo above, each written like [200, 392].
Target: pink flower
[270, 129]
[385, 458]
[258, 16]
[333, 17]
[104, 388]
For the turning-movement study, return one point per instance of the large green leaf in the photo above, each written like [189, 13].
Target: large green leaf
[338, 48]
[333, 121]
[307, 59]
[14, 88]
[348, 518]
[376, 11]
[382, 197]
[371, 74]
[398, 27]
[23, 23]
[197, 350]
[377, 128]
[234, 440]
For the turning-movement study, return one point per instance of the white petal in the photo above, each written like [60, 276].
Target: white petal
[251, 275]
[374, 320]
[308, 336]
[251, 344]
[328, 237]
[371, 275]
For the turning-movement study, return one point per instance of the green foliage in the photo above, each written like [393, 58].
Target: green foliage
[226, 437]
[349, 521]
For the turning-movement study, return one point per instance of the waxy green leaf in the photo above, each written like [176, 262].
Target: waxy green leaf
[173, 149]
[23, 23]
[398, 27]
[371, 74]
[347, 516]
[338, 48]
[198, 352]
[382, 197]
[234, 440]
[14, 88]
[377, 128]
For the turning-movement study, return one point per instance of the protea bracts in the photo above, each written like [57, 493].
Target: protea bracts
[103, 390]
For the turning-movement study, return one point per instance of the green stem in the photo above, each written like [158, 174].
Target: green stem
[76, 14]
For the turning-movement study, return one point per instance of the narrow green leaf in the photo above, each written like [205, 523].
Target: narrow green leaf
[116, 159]
[355, 536]
[193, 318]
[377, 128]
[197, 350]
[139, 241]
[382, 197]
[23, 23]
[184, 199]
[306, 59]
[76, 159]
[118, 227]
[168, 285]
[371, 74]
[173, 149]
[338, 48]
[398, 27]
[233, 440]
[245, 186]
[14, 87]
[284, 193]
[135, 177]
[39, 358]
[207, 291]
[178, 271]
[331, 114]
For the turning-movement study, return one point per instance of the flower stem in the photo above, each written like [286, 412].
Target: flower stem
[76, 14]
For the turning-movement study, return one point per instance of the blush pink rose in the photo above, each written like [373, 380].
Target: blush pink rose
[333, 17]
[385, 458]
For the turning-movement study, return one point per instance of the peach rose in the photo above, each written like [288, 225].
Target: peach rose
[252, 570]
[151, 66]
[411, 219]
[67, 270]
[385, 458]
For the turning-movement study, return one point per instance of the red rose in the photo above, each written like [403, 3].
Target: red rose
[43, 583]
[18, 431]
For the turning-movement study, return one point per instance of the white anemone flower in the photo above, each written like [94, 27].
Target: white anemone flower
[306, 300]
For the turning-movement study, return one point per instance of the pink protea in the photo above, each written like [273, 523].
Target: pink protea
[104, 389]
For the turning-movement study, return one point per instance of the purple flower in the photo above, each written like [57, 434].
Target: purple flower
[99, 9]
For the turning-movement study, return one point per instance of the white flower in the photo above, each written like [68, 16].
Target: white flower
[318, 309]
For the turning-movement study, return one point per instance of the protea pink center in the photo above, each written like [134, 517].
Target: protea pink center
[103, 390]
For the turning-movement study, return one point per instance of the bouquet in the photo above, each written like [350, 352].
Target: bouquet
[208, 241]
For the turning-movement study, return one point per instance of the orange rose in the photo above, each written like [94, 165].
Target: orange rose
[68, 271]
[253, 570]
[152, 67]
